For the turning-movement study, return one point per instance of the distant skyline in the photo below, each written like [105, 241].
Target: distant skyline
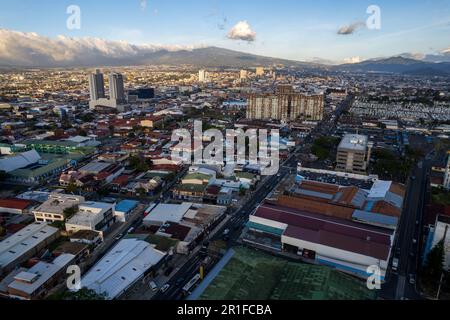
[321, 30]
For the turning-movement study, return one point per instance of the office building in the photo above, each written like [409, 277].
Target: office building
[285, 105]
[353, 154]
[202, 76]
[96, 86]
[116, 87]
[54, 208]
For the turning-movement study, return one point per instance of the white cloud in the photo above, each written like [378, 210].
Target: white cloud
[30, 49]
[242, 31]
[353, 60]
[446, 51]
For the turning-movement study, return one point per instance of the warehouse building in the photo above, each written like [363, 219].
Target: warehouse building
[347, 228]
[36, 282]
[25, 244]
[128, 262]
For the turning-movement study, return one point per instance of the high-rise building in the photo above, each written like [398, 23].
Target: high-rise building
[202, 76]
[285, 105]
[353, 154]
[243, 74]
[259, 71]
[116, 88]
[96, 86]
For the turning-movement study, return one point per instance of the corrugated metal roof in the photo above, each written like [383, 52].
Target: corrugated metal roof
[375, 218]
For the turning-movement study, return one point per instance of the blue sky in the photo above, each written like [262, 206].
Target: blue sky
[294, 29]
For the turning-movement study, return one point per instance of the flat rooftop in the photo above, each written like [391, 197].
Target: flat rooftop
[354, 142]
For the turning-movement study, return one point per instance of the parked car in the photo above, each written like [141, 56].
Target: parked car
[153, 286]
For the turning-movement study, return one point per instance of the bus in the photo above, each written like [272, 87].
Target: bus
[191, 284]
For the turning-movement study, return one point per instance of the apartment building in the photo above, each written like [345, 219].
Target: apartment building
[285, 105]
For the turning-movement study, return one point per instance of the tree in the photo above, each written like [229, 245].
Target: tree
[2, 231]
[70, 212]
[84, 294]
[72, 187]
[435, 262]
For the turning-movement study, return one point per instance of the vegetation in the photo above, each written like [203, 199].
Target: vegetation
[138, 164]
[389, 165]
[83, 294]
[323, 147]
[434, 270]
[2, 231]
[440, 196]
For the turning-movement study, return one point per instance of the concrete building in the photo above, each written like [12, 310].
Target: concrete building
[243, 74]
[24, 244]
[53, 209]
[96, 86]
[353, 154]
[94, 216]
[124, 209]
[128, 262]
[285, 105]
[202, 76]
[116, 87]
[260, 71]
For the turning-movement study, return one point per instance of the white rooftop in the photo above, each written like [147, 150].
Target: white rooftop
[354, 142]
[121, 267]
[379, 189]
[90, 214]
[58, 202]
[24, 240]
[168, 212]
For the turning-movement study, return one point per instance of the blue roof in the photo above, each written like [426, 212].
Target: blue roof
[126, 205]
[376, 218]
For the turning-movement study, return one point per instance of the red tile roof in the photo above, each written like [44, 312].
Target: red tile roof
[15, 203]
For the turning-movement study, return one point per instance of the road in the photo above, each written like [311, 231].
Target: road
[241, 215]
[407, 248]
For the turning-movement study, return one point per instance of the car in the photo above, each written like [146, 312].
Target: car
[164, 288]
[118, 237]
[412, 279]
[414, 241]
[153, 286]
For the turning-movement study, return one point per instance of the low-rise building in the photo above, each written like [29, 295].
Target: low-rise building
[128, 262]
[24, 244]
[36, 282]
[53, 209]
[94, 216]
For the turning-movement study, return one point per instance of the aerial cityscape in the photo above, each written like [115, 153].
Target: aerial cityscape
[224, 151]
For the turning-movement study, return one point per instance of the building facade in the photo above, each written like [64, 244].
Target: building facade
[285, 105]
[353, 154]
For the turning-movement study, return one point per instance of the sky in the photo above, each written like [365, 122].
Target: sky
[291, 29]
